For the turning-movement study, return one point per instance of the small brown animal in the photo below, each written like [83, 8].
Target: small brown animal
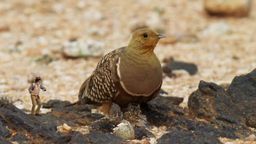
[34, 90]
[130, 74]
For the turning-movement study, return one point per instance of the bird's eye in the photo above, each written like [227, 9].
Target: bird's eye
[145, 35]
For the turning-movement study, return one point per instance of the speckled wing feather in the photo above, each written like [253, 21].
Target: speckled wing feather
[100, 86]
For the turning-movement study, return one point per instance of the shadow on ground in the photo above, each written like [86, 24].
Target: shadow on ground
[170, 65]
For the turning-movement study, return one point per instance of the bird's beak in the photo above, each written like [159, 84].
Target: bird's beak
[160, 36]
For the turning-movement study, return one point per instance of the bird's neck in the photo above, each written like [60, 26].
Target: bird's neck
[139, 52]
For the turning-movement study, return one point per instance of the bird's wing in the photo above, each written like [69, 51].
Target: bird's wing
[100, 86]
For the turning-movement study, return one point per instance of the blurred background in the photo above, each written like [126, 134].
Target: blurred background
[62, 40]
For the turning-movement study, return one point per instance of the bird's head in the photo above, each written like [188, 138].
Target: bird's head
[144, 39]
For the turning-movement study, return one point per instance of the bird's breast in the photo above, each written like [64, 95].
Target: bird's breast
[139, 78]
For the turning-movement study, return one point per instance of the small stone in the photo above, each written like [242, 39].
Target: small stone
[251, 137]
[95, 111]
[152, 141]
[44, 110]
[82, 49]
[143, 141]
[228, 7]
[19, 104]
[82, 129]
[64, 128]
[124, 130]
[4, 28]
[216, 29]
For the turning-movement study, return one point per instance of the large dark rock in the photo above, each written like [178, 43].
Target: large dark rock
[243, 88]
[236, 105]
[176, 136]
[24, 124]
[211, 101]
[4, 132]
[243, 93]
[185, 129]
[160, 110]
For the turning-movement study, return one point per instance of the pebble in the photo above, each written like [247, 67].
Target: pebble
[78, 49]
[64, 128]
[228, 7]
[216, 29]
[4, 28]
[251, 137]
[44, 110]
[19, 104]
[124, 130]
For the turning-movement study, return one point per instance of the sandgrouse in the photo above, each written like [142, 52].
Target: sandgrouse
[130, 74]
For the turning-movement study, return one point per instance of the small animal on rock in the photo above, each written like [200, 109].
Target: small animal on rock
[34, 90]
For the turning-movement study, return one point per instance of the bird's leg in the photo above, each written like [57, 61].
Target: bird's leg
[105, 108]
[112, 111]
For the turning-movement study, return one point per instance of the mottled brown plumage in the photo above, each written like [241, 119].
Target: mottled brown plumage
[126, 75]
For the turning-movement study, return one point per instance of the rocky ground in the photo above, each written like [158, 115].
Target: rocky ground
[49, 36]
